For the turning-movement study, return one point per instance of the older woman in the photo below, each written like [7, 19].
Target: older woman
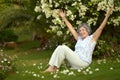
[82, 56]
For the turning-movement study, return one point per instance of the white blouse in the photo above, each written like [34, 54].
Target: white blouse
[84, 48]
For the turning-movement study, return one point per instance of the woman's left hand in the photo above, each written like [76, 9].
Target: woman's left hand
[109, 11]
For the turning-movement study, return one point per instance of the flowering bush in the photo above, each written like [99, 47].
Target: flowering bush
[7, 65]
[91, 12]
[77, 11]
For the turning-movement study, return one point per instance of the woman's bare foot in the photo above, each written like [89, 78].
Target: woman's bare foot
[51, 69]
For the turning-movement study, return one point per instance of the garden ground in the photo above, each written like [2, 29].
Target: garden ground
[31, 64]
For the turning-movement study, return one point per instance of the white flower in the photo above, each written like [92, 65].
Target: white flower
[92, 21]
[55, 13]
[32, 72]
[57, 70]
[69, 12]
[102, 5]
[2, 61]
[78, 22]
[74, 4]
[67, 32]
[90, 72]
[96, 69]
[51, 73]
[17, 72]
[37, 9]
[116, 21]
[111, 68]
[1, 50]
[41, 67]
[42, 77]
[38, 67]
[71, 73]
[41, 63]
[65, 71]
[50, 1]
[26, 71]
[54, 76]
[72, 17]
[5, 59]
[38, 17]
[79, 70]
[34, 75]
[105, 5]
[34, 64]
[117, 9]
[59, 33]
[44, 6]
[83, 8]
[118, 60]
[110, 2]
[57, 21]
[89, 67]
[48, 12]
[84, 72]
[42, 1]
[66, 7]
[38, 75]
[8, 62]
[87, 70]
[54, 28]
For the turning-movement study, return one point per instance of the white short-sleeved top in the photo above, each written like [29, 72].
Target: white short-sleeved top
[84, 48]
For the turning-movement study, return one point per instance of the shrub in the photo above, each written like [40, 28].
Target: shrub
[7, 65]
[7, 35]
[103, 48]
[79, 11]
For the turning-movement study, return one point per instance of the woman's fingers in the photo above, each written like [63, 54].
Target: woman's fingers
[62, 13]
[109, 11]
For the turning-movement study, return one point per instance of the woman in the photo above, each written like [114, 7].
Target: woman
[82, 56]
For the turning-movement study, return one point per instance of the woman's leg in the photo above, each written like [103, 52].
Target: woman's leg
[73, 59]
[63, 52]
[56, 59]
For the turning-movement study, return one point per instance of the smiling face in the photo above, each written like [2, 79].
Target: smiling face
[83, 32]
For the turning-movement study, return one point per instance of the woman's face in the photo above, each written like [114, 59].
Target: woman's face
[83, 32]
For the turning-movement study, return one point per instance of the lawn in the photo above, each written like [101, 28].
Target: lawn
[31, 64]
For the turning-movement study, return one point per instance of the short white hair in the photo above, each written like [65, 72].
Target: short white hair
[88, 29]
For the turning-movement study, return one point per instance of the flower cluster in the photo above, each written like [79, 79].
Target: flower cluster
[7, 64]
[76, 11]
[105, 4]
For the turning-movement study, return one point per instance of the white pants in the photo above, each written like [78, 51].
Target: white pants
[63, 52]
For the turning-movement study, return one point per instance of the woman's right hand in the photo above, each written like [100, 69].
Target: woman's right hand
[109, 11]
[62, 13]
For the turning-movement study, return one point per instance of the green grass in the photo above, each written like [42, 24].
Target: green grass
[32, 63]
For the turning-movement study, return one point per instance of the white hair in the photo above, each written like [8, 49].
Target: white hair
[88, 29]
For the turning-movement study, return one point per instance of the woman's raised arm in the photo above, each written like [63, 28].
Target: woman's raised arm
[70, 27]
[98, 32]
